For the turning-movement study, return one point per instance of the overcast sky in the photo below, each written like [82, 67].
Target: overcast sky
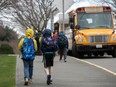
[58, 3]
[67, 4]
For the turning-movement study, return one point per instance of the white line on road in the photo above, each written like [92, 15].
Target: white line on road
[100, 67]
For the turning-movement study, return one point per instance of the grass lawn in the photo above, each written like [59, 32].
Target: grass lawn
[7, 71]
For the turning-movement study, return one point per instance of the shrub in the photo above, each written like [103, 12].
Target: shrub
[6, 49]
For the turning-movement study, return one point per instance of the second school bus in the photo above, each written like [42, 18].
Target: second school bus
[91, 31]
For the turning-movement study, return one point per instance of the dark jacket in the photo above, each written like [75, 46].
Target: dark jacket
[46, 34]
[62, 34]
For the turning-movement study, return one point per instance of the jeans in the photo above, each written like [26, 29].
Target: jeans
[63, 52]
[28, 68]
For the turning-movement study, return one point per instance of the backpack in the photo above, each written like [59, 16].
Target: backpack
[49, 45]
[62, 41]
[28, 51]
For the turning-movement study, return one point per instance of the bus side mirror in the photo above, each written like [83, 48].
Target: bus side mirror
[56, 26]
[77, 27]
[72, 26]
[71, 20]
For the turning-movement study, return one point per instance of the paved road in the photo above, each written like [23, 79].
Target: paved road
[73, 73]
[106, 61]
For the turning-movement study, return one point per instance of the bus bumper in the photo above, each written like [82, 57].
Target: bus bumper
[95, 48]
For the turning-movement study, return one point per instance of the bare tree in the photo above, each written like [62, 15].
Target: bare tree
[109, 2]
[114, 1]
[33, 13]
[4, 4]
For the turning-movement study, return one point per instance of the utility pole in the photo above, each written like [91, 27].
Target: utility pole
[52, 21]
[63, 14]
[54, 11]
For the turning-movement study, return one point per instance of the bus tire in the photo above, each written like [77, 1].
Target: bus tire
[75, 53]
[74, 50]
[101, 54]
[114, 53]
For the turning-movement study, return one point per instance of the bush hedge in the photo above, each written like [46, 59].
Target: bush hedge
[6, 49]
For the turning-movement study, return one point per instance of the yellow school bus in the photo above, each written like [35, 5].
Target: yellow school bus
[91, 31]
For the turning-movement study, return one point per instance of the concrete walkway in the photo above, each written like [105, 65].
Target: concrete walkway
[60, 71]
[72, 73]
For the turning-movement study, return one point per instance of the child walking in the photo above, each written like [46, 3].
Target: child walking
[49, 47]
[28, 46]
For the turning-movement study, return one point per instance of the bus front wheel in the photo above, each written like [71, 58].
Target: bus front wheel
[114, 53]
[75, 53]
[74, 50]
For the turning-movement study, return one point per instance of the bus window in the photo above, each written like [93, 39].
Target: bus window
[95, 20]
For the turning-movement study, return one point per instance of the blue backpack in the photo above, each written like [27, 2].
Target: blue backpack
[49, 45]
[28, 51]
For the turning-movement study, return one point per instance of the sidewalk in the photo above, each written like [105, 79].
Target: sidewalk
[64, 74]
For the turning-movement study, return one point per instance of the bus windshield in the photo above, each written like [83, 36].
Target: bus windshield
[95, 20]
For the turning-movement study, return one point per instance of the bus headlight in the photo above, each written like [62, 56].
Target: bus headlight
[80, 40]
[114, 38]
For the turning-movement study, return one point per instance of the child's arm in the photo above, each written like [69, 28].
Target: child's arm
[20, 44]
[35, 45]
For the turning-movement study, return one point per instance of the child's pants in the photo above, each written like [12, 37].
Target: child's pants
[28, 68]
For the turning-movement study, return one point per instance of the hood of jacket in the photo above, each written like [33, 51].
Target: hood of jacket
[29, 33]
[61, 34]
[47, 33]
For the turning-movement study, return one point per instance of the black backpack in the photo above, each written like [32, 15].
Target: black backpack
[49, 45]
[62, 41]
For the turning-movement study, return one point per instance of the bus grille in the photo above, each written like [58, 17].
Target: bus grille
[99, 38]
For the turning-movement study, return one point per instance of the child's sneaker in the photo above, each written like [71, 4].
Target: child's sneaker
[60, 59]
[26, 81]
[51, 81]
[48, 79]
[65, 60]
[30, 81]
